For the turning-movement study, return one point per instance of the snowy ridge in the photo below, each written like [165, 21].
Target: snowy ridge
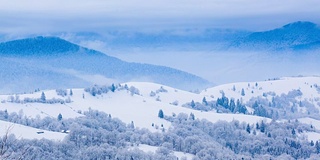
[294, 36]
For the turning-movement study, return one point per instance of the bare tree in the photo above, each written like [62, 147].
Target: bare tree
[5, 144]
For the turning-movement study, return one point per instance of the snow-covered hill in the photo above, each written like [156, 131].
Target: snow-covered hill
[142, 106]
[142, 109]
[309, 86]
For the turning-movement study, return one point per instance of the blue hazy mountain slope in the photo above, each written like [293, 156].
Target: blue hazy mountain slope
[24, 75]
[293, 36]
[49, 45]
[49, 62]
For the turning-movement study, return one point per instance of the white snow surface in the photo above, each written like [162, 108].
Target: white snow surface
[153, 149]
[313, 136]
[315, 123]
[25, 132]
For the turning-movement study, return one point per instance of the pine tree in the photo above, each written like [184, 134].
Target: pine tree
[204, 101]
[312, 143]
[132, 125]
[262, 127]
[317, 147]
[269, 135]
[191, 116]
[113, 88]
[59, 117]
[192, 104]
[242, 92]
[6, 114]
[232, 106]
[248, 129]
[234, 88]
[160, 114]
[43, 97]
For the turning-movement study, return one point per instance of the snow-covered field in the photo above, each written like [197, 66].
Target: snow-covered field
[313, 136]
[143, 109]
[153, 149]
[25, 132]
[315, 123]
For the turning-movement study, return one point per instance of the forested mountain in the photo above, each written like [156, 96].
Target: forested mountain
[291, 37]
[50, 62]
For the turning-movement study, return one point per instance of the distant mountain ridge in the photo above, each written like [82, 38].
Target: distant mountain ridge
[294, 36]
[38, 45]
[51, 62]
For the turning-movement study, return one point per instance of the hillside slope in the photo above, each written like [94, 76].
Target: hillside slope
[49, 62]
[294, 36]
[132, 104]
[141, 109]
[25, 132]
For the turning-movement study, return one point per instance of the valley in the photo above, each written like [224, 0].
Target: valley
[174, 94]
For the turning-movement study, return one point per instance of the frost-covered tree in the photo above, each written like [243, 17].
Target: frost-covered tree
[61, 92]
[175, 103]
[161, 89]
[191, 116]
[5, 115]
[133, 90]
[152, 94]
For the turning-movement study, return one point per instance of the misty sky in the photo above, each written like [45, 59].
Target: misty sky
[22, 18]
[45, 16]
